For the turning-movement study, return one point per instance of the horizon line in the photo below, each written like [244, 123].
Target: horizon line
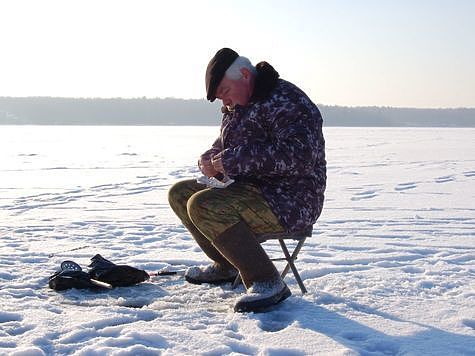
[205, 100]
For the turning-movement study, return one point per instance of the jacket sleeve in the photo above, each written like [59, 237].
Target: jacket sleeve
[216, 147]
[292, 149]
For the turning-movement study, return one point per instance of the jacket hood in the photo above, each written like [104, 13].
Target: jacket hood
[266, 81]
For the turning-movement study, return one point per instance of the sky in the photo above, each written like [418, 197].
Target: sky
[354, 53]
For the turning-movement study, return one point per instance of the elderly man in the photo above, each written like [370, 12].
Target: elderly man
[271, 144]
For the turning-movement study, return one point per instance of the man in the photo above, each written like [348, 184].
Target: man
[271, 144]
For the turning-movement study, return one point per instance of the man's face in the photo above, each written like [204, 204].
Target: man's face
[232, 92]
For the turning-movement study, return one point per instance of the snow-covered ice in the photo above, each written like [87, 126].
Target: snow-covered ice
[390, 267]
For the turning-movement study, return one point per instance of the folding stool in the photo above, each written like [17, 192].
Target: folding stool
[299, 236]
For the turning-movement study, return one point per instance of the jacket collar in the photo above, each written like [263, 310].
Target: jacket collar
[266, 81]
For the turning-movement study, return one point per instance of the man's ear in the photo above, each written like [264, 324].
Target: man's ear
[246, 73]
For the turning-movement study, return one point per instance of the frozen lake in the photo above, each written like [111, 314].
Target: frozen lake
[390, 267]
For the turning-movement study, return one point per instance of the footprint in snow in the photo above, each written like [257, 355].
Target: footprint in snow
[444, 179]
[8, 316]
[16, 329]
[273, 322]
[413, 270]
[405, 186]
[367, 194]
[354, 336]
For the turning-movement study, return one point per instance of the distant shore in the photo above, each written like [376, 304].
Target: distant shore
[199, 112]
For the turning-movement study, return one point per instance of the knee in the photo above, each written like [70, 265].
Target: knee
[178, 194]
[204, 205]
[194, 206]
[212, 212]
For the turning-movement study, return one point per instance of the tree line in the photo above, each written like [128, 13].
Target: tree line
[172, 111]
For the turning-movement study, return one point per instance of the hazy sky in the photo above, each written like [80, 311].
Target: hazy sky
[386, 53]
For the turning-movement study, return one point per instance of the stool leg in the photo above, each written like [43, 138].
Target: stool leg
[290, 262]
[294, 255]
[237, 281]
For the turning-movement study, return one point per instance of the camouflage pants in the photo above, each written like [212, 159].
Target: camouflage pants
[214, 210]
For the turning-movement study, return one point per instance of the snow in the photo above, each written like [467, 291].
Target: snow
[390, 268]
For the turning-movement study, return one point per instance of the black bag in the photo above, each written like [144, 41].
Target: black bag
[70, 275]
[103, 274]
[70, 279]
[116, 275]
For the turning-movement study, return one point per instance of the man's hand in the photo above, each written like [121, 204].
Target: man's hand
[206, 167]
[218, 164]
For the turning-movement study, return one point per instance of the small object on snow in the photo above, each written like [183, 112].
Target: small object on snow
[68, 279]
[214, 182]
[70, 265]
[70, 275]
[263, 295]
[101, 284]
[164, 272]
[69, 250]
[102, 274]
[116, 275]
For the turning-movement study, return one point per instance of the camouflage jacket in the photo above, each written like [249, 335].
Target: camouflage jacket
[276, 142]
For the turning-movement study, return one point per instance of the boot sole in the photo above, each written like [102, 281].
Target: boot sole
[216, 282]
[262, 305]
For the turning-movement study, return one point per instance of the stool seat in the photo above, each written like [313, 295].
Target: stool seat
[294, 235]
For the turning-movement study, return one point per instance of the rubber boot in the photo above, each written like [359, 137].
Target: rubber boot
[221, 271]
[265, 287]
